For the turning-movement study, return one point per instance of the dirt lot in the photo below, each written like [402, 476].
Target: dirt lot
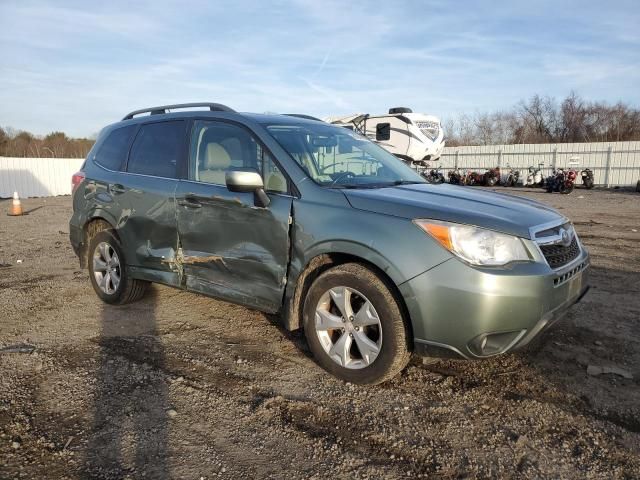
[183, 386]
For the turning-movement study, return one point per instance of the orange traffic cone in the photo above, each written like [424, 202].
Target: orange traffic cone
[16, 206]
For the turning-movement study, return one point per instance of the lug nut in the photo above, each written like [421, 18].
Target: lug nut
[357, 329]
[351, 319]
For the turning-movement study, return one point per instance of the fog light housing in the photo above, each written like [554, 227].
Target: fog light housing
[487, 344]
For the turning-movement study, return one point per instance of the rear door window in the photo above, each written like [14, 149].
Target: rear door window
[157, 149]
[113, 152]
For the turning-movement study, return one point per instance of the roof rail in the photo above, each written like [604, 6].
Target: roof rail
[214, 107]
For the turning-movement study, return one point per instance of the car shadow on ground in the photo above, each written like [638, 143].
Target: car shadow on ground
[128, 435]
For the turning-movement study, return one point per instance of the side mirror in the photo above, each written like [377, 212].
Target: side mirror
[245, 182]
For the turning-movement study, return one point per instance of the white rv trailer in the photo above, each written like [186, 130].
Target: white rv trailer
[414, 137]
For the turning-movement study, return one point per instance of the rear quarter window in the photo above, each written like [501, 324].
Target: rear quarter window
[113, 151]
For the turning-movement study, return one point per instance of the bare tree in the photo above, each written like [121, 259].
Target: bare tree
[543, 120]
[23, 144]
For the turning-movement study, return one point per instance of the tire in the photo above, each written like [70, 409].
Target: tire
[127, 289]
[588, 183]
[391, 332]
[491, 181]
[566, 189]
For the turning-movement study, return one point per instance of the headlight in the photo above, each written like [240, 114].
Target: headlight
[474, 245]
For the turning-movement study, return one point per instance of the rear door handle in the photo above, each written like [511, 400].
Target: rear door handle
[116, 188]
[190, 201]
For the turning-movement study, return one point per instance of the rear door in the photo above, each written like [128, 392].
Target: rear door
[147, 219]
[232, 249]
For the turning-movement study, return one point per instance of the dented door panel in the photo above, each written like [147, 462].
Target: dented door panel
[231, 249]
[147, 225]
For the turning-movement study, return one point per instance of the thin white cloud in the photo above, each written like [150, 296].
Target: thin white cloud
[77, 66]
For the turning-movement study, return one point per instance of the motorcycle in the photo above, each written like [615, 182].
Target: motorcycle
[511, 179]
[587, 178]
[561, 181]
[433, 176]
[492, 177]
[535, 177]
[474, 178]
[455, 177]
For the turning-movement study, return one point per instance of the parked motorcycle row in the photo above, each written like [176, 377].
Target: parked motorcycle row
[561, 180]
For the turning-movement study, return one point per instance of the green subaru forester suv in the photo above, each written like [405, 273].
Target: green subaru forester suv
[291, 215]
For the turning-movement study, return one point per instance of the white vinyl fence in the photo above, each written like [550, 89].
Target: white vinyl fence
[613, 163]
[37, 177]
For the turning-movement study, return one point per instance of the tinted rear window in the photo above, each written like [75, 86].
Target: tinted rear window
[114, 149]
[156, 149]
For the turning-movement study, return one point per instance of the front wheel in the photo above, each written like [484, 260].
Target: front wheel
[108, 272]
[354, 326]
[566, 188]
[588, 183]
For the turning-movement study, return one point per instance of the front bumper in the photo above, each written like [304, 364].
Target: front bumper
[465, 312]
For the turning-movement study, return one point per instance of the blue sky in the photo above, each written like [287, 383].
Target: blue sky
[76, 66]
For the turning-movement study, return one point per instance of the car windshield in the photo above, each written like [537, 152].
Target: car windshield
[337, 157]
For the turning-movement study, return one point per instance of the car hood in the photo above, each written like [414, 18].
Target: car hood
[495, 211]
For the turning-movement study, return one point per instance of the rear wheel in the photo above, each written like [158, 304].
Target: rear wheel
[108, 273]
[354, 326]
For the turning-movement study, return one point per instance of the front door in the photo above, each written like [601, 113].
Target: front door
[230, 248]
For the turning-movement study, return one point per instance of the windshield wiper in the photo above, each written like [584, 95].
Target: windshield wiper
[352, 185]
[407, 182]
[375, 185]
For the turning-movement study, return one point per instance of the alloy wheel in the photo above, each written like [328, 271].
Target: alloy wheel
[106, 268]
[348, 327]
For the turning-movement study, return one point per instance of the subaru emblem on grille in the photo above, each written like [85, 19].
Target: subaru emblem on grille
[565, 237]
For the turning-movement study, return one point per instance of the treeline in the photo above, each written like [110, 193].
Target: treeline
[537, 120]
[545, 120]
[56, 145]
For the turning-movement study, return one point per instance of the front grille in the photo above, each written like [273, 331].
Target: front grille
[565, 277]
[558, 255]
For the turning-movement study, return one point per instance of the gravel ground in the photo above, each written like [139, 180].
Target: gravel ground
[184, 386]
